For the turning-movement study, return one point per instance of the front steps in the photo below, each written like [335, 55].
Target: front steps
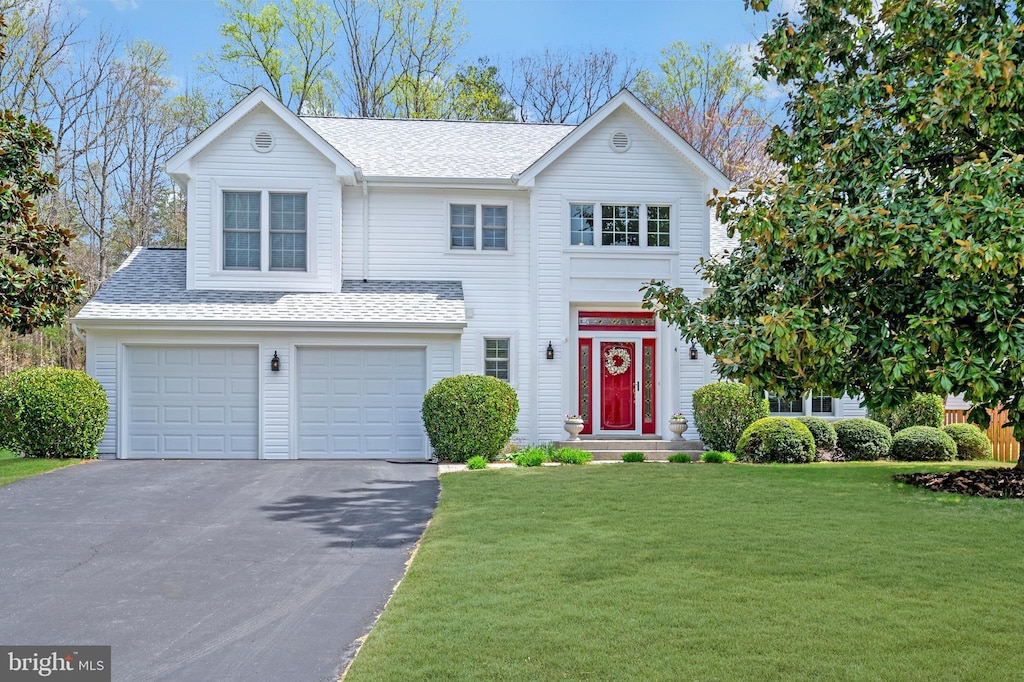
[653, 450]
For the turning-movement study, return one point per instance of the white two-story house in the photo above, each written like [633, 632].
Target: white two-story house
[336, 268]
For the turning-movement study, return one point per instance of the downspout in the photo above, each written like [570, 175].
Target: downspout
[74, 330]
[366, 224]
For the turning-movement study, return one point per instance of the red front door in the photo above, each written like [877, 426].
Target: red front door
[618, 386]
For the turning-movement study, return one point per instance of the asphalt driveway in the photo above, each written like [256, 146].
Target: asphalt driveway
[209, 570]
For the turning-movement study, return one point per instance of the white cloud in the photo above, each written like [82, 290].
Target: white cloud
[122, 5]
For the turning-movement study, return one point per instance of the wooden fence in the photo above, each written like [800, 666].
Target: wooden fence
[1005, 446]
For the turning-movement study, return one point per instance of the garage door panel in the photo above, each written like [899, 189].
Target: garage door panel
[192, 402]
[371, 398]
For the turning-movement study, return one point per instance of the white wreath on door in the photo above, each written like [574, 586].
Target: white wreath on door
[614, 368]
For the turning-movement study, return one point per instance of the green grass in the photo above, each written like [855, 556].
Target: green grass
[13, 468]
[772, 572]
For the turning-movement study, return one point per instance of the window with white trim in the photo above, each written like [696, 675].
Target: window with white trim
[812, 404]
[248, 216]
[497, 358]
[463, 222]
[631, 225]
[478, 227]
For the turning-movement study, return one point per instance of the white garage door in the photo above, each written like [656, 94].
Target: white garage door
[192, 402]
[361, 403]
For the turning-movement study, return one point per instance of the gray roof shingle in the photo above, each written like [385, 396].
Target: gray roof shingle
[150, 286]
[438, 149]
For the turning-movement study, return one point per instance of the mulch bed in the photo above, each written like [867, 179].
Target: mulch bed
[981, 482]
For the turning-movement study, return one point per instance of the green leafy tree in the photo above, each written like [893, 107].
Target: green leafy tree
[285, 45]
[888, 257]
[479, 95]
[36, 285]
[713, 100]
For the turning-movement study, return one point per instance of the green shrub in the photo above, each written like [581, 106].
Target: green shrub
[469, 415]
[680, 458]
[533, 456]
[633, 457]
[52, 412]
[715, 457]
[723, 410]
[922, 443]
[776, 439]
[971, 441]
[476, 462]
[924, 409]
[862, 439]
[571, 456]
[822, 431]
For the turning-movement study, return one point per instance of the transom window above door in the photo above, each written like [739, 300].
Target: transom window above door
[630, 225]
[262, 222]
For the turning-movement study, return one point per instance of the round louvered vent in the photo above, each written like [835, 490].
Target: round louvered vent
[263, 141]
[620, 141]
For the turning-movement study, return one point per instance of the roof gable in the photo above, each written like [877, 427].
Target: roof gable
[626, 99]
[179, 165]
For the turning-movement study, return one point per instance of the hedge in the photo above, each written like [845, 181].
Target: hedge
[723, 410]
[468, 415]
[971, 441]
[923, 443]
[776, 439]
[862, 439]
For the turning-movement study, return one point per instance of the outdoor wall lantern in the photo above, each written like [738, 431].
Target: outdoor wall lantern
[275, 363]
[551, 352]
[693, 350]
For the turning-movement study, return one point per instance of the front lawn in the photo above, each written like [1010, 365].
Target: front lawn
[13, 468]
[706, 572]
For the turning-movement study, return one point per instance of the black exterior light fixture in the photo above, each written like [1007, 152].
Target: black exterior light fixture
[550, 354]
[275, 363]
[693, 350]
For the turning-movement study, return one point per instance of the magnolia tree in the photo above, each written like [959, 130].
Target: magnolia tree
[888, 257]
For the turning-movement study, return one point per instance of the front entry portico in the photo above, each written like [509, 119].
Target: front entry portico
[617, 385]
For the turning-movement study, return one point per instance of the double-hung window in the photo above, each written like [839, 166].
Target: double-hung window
[282, 217]
[473, 227]
[242, 230]
[819, 405]
[631, 225]
[288, 232]
[780, 405]
[497, 358]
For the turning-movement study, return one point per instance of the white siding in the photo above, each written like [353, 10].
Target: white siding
[409, 236]
[231, 163]
[650, 172]
[276, 389]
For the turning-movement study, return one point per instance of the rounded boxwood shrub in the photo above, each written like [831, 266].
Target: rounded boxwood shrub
[776, 439]
[52, 412]
[862, 439]
[723, 410]
[469, 415]
[971, 441]
[823, 432]
[922, 443]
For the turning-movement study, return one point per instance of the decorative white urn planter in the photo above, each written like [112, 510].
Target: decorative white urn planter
[573, 426]
[678, 426]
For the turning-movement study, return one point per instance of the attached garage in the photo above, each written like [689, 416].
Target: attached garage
[360, 403]
[191, 402]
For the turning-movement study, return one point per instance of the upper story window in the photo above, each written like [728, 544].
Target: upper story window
[497, 358]
[471, 225]
[255, 219]
[620, 225]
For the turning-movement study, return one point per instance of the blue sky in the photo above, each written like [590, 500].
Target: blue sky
[497, 28]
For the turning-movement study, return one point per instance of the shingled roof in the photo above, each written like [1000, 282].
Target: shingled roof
[438, 149]
[150, 286]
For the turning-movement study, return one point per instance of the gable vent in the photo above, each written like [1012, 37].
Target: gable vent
[620, 141]
[263, 141]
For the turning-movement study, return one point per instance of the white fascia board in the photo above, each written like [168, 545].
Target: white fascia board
[179, 165]
[414, 182]
[627, 99]
[445, 328]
